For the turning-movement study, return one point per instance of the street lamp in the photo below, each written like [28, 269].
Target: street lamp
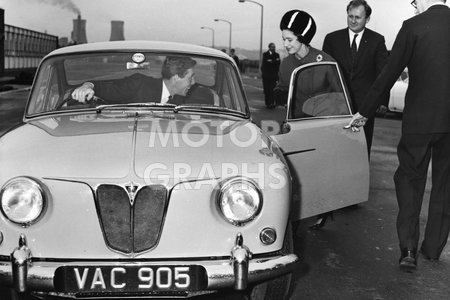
[229, 23]
[261, 34]
[212, 30]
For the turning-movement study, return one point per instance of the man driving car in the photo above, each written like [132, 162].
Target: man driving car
[177, 78]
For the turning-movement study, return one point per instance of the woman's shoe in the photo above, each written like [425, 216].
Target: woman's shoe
[322, 220]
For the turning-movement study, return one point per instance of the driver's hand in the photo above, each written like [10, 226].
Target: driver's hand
[84, 92]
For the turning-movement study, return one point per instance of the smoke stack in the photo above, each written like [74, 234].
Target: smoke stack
[79, 31]
[117, 31]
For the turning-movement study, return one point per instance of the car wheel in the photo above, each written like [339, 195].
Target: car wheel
[278, 288]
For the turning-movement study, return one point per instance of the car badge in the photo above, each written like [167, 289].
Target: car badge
[138, 58]
[131, 190]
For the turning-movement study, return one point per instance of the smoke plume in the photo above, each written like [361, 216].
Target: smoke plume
[64, 4]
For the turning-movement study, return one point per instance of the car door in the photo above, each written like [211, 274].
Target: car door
[329, 164]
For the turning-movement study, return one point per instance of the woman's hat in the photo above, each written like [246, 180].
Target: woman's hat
[300, 23]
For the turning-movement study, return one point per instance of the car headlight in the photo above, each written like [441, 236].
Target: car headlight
[239, 200]
[22, 200]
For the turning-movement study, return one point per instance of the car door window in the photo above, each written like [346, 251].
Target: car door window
[318, 92]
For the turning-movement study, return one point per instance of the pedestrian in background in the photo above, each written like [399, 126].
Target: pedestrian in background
[269, 69]
[297, 30]
[235, 58]
[422, 45]
[361, 54]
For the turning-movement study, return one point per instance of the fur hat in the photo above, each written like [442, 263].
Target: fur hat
[300, 23]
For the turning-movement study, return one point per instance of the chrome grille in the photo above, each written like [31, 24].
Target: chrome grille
[131, 228]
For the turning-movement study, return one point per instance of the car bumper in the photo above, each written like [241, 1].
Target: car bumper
[25, 274]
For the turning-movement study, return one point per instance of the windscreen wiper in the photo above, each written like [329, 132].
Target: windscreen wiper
[133, 105]
[207, 108]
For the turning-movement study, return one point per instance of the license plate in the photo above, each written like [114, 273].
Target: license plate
[129, 278]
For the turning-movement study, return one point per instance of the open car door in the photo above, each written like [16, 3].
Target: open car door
[329, 164]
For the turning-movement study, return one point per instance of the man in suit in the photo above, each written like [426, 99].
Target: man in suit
[269, 68]
[177, 78]
[361, 54]
[422, 45]
[235, 58]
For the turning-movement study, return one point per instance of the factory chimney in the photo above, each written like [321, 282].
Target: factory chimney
[79, 31]
[117, 31]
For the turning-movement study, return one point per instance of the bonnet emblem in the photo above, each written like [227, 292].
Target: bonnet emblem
[131, 190]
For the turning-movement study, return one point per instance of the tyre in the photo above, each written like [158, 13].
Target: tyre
[277, 288]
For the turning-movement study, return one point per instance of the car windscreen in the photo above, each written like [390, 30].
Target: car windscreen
[125, 78]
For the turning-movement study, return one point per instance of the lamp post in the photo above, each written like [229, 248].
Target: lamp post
[212, 30]
[261, 33]
[229, 23]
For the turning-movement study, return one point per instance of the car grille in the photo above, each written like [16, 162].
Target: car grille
[131, 227]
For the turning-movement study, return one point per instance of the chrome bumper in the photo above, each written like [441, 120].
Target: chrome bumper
[24, 274]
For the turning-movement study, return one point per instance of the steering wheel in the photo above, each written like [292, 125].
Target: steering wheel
[97, 100]
[70, 101]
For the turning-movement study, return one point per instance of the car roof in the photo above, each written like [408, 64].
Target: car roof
[157, 46]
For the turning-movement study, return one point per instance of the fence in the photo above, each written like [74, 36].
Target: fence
[24, 48]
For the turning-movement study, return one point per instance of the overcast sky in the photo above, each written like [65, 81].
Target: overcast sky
[180, 20]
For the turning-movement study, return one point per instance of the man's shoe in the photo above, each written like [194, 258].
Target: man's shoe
[426, 256]
[408, 259]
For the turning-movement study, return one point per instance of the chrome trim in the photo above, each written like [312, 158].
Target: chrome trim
[220, 273]
[21, 261]
[240, 256]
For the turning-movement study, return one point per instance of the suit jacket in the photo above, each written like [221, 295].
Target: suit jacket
[422, 45]
[270, 64]
[142, 88]
[370, 60]
[135, 88]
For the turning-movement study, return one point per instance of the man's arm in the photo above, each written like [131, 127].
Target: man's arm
[117, 90]
[381, 56]
[264, 61]
[84, 92]
[400, 56]
[277, 60]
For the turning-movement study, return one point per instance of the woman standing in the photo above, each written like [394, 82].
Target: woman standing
[297, 30]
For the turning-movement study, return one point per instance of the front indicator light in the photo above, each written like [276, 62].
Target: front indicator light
[240, 200]
[268, 236]
[22, 200]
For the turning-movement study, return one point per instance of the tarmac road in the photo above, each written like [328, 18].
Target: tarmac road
[356, 255]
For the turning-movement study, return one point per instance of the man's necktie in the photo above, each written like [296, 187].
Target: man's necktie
[354, 51]
[354, 48]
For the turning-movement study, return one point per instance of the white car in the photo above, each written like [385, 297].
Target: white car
[128, 197]
[398, 92]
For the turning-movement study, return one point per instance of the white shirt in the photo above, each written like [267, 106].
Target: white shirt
[165, 94]
[358, 38]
